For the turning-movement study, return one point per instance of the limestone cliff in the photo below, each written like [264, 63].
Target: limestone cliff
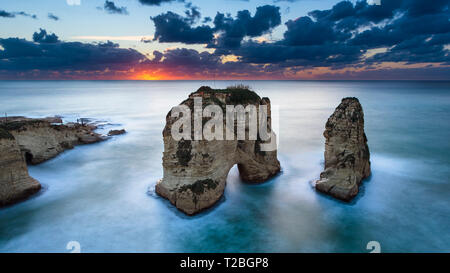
[15, 183]
[26, 140]
[347, 157]
[195, 171]
[43, 139]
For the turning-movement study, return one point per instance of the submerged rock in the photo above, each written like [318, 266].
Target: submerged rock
[347, 157]
[15, 182]
[116, 132]
[195, 171]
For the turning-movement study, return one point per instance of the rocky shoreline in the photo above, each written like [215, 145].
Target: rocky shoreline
[33, 141]
[43, 139]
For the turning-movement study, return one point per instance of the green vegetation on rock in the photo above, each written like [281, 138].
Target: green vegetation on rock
[5, 134]
[17, 125]
[184, 152]
[199, 186]
[238, 94]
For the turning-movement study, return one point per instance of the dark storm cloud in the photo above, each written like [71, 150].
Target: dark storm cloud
[171, 27]
[47, 53]
[415, 36]
[192, 13]
[188, 57]
[333, 37]
[182, 61]
[22, 13]
[416, 50]
[111, 8]
[308, 55]
[402, 29]
[305, 31]
[348, 16]
[235, 29]
[324, 38]
[53, 17]
[157, 2]
[43, 37]
[7, 14]
[362, 13]
[418, 8]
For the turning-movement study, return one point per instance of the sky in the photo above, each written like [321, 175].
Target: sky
[225, 39]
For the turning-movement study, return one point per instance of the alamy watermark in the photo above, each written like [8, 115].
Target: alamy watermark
[374, 247]
[251, 123]
[74, 247]
[73, 2]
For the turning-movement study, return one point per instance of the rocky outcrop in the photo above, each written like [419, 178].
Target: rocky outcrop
[15, 182]
[347, 157]
[43, 139]
[116, 132]
[26, 140]
[195, 171]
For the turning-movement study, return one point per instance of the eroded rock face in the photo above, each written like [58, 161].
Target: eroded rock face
[43, 139]
[347, 157]
[195, 171]
[15, 182]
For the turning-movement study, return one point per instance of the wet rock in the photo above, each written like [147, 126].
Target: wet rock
[116, 132]
[195, 171]
[15, 182]
[347, 157]
[91, 138]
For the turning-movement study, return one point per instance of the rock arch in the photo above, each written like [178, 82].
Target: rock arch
[28, 156]
[195, 172]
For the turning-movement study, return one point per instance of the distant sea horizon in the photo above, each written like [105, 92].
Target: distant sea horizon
[234, 80]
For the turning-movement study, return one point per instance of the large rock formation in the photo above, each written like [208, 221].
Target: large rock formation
[347, 157]
[15, 183]
[195, 171]
[43, 139]
[26, 140]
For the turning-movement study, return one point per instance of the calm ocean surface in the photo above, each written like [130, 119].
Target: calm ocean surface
[102, 195]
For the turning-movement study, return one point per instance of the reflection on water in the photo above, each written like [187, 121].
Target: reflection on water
[101, 195]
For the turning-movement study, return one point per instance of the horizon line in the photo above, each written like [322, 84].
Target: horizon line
[174, 80]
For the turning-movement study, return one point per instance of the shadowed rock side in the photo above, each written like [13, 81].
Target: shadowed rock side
[15, 182]
[43, 139]
[347, 157]
[195, 172]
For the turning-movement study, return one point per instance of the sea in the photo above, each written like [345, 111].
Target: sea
[101, 197]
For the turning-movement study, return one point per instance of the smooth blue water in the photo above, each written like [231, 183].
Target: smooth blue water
[99, 194]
